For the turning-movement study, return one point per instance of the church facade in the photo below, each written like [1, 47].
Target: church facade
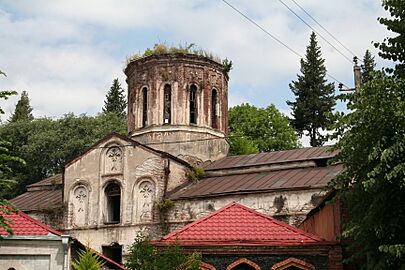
[174, 167]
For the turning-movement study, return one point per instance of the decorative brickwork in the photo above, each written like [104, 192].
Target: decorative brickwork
[243, 261]
[179, 105]
[206, 266]
[293, 262]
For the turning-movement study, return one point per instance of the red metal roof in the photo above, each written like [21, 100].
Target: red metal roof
[38, 200]
[23, 224]
[300, 154]
[311, 177]
[237, 224]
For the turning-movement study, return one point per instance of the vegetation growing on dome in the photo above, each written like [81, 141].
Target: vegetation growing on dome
[161, 48]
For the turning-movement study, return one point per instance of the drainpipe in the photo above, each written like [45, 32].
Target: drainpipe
[65, 244]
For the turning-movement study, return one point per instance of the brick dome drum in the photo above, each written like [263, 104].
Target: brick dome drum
[178, 103]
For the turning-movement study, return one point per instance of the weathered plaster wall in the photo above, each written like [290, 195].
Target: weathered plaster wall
[143, 176]
[288, 206]
[31, 255]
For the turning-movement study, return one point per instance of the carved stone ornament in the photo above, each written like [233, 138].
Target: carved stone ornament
[145, 198]
[113, 163]
[80, 206]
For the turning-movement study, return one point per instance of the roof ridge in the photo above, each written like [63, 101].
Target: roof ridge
[280, 223]
[127, 139]
[251, 211]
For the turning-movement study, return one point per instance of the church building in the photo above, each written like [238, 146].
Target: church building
[173, 167]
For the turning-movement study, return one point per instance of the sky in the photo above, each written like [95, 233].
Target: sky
[65, 54]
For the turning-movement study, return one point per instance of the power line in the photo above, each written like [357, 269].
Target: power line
[313, 29]
[264, 30]
[274, 37]
[326, 30]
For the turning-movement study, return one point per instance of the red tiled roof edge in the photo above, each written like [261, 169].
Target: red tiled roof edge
[296, 230]
[46, 227]
[192, 224]
[100, 254]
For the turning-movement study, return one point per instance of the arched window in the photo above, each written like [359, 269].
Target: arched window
[214, 108]
[243, 264]
[193, 104]
[167, 104]
[293, 264]
[144, 107]
[113, 199]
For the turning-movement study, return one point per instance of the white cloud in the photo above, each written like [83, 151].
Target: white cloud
[66, 53]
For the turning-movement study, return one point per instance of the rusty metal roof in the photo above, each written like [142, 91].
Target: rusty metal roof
[310, 177]
[50, 181]
[38, 200]
[301, 154]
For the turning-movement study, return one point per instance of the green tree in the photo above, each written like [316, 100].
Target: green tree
[46, 144]
[87, 260]
[241, 145]
[7, 160]
[314, 103]
[372, 148]
[368, 67]
[23, 109]
[259, 130]
[393, 48]
[115, 99]
[144, 256]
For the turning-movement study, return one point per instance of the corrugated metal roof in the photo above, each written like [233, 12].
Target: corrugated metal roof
[261, 182]
[240, 225]
[38, 200]
[309, 153]
[50, 181]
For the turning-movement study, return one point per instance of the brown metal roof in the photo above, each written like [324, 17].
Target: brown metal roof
[50, 181]
[261, 182]
[38, 200]
[309, 153]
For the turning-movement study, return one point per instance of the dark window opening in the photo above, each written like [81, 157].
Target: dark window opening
[144, 107]
[113, 195]
[321, 162]
[214, 108]
[243, 266]
[167, 105]
[114, 252]
[193, 104]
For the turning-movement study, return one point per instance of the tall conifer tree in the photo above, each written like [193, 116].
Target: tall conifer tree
[23, 109]
[368, 67]
[115, 100]
[393, 48]
[314, 95]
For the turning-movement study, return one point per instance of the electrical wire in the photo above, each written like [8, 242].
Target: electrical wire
[275, 38]
[264, 30]
[326, 30]
[313, 29]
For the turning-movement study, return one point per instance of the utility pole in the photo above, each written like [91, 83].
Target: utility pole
[357, 77]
